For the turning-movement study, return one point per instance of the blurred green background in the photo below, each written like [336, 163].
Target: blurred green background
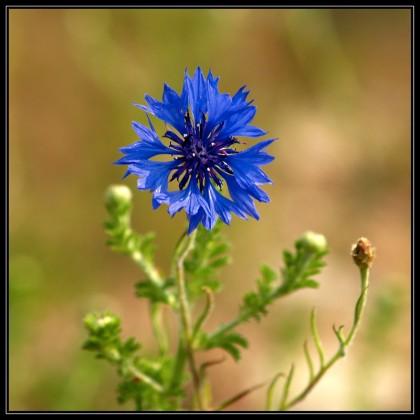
[332, 85]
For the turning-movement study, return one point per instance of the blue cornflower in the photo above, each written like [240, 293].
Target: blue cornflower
[202, 131]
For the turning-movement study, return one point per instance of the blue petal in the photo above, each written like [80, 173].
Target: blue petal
[145, 149]
[235, 111]
[145, 133]
[190, 199]
[212, 80]
[248, 175]
[250, 131]
[152, 175]
[172, 108]
[240, 96]
[197, 93]
[159, 197]
[241, 197]
[245, 166]
[237, 121]
[222, 205]
[195, 220]
[255, 153]
[217, 106]
[258, 193]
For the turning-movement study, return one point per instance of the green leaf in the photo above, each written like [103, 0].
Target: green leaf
[269, 275]
[255, 303]
[204, 262]
[306, 262]
[104, 338]
[144, 380]
[230, 342]
[154, 292]
[310, 283]
[121, 237]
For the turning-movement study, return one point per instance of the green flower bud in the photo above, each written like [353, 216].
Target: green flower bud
[118, 198]
[363, 253]
[97, 322]
[312, 242]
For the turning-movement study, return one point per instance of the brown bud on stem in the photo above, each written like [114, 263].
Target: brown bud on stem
[363, 253]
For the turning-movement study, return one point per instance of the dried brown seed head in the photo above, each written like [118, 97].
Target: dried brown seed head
[363, 252]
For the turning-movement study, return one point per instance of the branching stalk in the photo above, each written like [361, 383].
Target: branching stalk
[246, 315]
[185, 314]
[343, 344]
[155, 309]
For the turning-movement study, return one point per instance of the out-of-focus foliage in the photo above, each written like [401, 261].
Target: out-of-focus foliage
[332, 85]
[206, 260]
[299, 267]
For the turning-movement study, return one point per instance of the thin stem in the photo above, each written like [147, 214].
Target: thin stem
[277, 293]
[155, 309]
[206, 312]
[247, 314]
[360, 305]
[270, 391]
[358, 312]
[176, 254]
[157, 325]
[179, 365]
[286, 388]
[316, 338]
[186, 316]
[145, 378]
[148, 267]
[239, 396]
[312, 383]
[205, 389]
[308, 360]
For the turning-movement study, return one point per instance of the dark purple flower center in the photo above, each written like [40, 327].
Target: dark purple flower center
[201, 156]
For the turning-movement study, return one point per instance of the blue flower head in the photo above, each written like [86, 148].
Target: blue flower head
[203, 126]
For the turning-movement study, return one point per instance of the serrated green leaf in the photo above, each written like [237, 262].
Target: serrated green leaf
[203, 264]
[148, 290]
[310, 283]
[220, 262]
[231, 342]
[269, 275]
[218, 249]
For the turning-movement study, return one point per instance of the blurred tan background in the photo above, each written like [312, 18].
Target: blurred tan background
[332, 85]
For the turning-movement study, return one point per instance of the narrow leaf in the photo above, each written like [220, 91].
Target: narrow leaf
[270, 391]
[308, 360]
[316, 338]
[239, 396]
[206, 312]
[286, 387]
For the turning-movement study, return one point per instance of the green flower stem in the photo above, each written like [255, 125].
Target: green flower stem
[155, 308]
[208, 308]
[180, 360]
[186, 316]
[238, 396]
[158, 329]
[247, 314]
[344, 344]
[149, 269]
[360, 305]
[145, 378]
[270, 391]
[283, 290]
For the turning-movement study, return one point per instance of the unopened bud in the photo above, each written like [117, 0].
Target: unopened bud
[313, 242]
[363, 253]
[118, 198]
[95, 322]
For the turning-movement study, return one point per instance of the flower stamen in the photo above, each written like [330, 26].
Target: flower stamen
[200, 158]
